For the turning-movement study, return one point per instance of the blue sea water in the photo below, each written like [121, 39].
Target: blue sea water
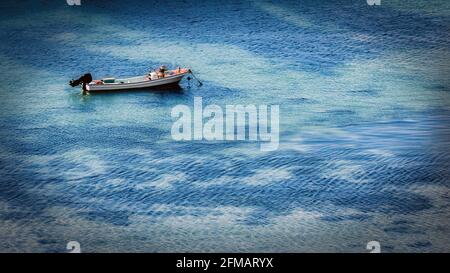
[364, 97]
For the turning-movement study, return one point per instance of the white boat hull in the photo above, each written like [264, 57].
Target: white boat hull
[126, 84]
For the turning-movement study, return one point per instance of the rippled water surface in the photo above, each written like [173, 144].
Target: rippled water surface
[364, 97]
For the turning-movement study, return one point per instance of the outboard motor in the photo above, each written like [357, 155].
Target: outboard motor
[85, 79]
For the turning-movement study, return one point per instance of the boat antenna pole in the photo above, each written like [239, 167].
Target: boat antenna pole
[199, 82]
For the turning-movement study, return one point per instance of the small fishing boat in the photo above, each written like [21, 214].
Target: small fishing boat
[158, 78]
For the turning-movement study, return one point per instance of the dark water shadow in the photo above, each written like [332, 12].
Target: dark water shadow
[90, 101]
[175, 89]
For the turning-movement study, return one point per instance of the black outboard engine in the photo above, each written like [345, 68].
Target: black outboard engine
[85, 79]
